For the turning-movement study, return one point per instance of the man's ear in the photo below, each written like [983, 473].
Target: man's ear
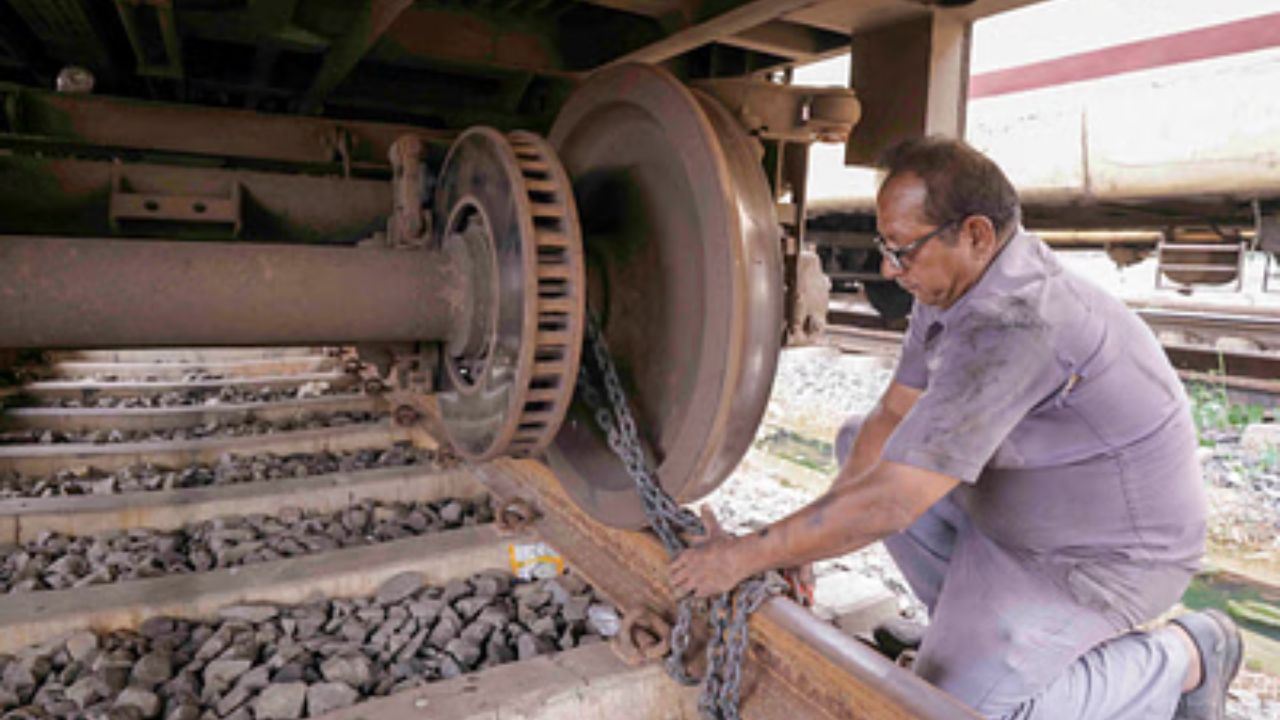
[982, 234]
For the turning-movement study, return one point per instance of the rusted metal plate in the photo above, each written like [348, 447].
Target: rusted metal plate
[798, 666]
[45, 196]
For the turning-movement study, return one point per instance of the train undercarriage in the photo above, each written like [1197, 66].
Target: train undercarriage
[464, 193]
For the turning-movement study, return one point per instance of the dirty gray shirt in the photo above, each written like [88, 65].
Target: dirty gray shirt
[1056, 408]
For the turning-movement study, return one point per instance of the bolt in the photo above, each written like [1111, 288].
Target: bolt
[515, 515]
[406, 415]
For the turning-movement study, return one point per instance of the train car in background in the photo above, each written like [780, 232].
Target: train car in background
[1155, 129]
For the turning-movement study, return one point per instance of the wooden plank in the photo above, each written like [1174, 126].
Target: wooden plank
[31, 618]
[48, 459]
[23, 519]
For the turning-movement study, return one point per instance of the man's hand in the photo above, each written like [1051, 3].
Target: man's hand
[712, 566]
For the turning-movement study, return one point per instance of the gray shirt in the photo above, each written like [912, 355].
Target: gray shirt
[1056, 406]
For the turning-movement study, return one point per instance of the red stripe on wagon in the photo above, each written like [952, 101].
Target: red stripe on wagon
[1240, 36]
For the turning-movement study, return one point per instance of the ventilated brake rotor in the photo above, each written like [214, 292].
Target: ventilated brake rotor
[684, 276]
[507, 216]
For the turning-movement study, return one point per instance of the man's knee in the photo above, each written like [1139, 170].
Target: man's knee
[846, 435]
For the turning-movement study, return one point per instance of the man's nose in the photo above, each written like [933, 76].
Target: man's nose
[888, 269]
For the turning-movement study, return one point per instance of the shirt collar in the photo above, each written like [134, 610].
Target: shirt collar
[987, 282]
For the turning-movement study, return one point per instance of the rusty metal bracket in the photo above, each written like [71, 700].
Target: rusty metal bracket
[128, 207]
[644, 637]
[406, 415]
[412, 186]
[787, 112]
[808, 293]
[515, 515]
[144, 21]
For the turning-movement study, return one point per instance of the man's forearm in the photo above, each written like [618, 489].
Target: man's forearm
[846, 518]
[873, 435]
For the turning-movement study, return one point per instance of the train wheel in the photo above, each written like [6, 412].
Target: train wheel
[684, 273]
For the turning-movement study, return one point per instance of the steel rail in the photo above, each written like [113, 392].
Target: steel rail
[797, 668]
[865, 340]
[1262, 329]
[1252, 370]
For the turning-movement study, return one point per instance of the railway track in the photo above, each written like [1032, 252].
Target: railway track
[1236, 349]
[272, 544]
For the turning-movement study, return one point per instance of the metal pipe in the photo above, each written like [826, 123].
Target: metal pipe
[84, 293]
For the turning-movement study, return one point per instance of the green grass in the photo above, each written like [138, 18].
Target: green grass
[1214, 411]
[804, 451]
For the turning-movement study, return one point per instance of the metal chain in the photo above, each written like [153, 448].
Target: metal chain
[728, 614]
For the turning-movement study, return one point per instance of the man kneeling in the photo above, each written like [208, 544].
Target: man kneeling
[1031, 468]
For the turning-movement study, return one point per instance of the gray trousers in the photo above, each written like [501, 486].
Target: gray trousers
[1009, 641]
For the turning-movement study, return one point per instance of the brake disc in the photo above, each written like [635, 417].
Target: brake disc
[508, 217]
[684, 275]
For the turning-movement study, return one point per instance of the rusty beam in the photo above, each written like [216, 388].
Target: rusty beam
[374, 19]
[72, 293]
[41, 196]
[428, 37]
[152, 127]
[144, 21]
[731, 22]
[925, 94]
[798, 667]
[650, 8]
[790, 40]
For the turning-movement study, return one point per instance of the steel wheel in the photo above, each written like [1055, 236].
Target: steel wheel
[684, 274]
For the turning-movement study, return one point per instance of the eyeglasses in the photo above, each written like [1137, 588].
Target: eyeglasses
[899, 257]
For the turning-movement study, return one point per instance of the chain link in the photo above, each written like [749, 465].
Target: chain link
[721, 689]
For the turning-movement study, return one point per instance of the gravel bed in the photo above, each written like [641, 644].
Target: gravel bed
[230, 469]
[221, 396]
[1244, 495]
[56, 561]
[260, 661]
[309, 421]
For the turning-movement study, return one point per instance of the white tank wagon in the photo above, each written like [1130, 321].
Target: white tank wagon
[1169, 142]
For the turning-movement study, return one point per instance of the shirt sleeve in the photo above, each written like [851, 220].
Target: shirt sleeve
[911, 370]
[993, 368]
